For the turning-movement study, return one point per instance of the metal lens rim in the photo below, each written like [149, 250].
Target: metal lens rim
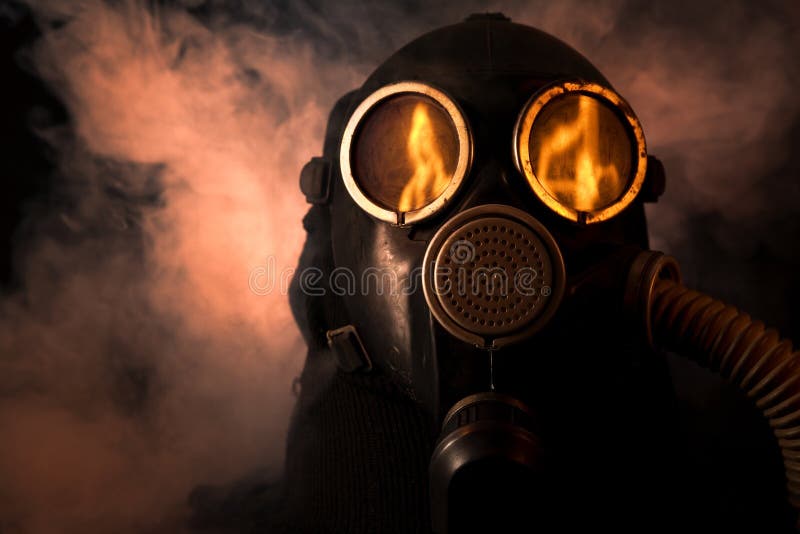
[521, 148]
[463, 164]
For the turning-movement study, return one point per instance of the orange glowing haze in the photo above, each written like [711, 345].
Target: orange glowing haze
[225, 119]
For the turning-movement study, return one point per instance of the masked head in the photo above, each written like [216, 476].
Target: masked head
[476, 211]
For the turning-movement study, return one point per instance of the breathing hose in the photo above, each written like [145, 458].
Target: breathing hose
[721, 338]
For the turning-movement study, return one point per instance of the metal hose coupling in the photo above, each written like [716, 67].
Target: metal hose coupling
[483, 470]
[720, 337]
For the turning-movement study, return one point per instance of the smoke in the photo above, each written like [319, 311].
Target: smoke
[137, 363]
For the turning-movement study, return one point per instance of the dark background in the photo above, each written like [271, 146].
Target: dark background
[730, 214]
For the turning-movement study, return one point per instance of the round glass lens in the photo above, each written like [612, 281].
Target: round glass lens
[581, 152]
[405, 152]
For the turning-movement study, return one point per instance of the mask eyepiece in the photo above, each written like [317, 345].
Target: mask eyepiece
[581, 149]
[405, 152]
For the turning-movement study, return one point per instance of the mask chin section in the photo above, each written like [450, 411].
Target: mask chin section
[484, 472]
[493, 275]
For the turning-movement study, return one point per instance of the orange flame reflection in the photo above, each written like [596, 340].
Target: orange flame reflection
[430, 177]
[570, 161]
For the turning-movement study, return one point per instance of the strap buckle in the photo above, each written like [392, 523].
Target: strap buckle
[348, 349]
[315, 181]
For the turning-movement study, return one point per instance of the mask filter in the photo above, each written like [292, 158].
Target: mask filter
[493, 275]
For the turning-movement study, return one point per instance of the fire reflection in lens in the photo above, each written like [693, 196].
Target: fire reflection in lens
[406, 153]
[430, 177]
[581, 152]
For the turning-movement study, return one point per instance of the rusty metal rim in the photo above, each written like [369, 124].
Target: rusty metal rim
[521, 148]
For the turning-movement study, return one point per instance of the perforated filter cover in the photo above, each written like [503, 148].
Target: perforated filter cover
[494, 275]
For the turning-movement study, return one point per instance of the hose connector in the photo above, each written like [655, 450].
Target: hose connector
[719, 337]
[647, 269]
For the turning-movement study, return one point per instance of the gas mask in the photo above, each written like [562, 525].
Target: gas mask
[478, 260]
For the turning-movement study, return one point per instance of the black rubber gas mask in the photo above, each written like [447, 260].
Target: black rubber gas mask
[487, 252]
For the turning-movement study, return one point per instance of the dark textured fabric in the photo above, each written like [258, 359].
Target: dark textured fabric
[357, 458]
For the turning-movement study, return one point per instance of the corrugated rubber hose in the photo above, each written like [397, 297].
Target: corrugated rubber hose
[743, 351]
